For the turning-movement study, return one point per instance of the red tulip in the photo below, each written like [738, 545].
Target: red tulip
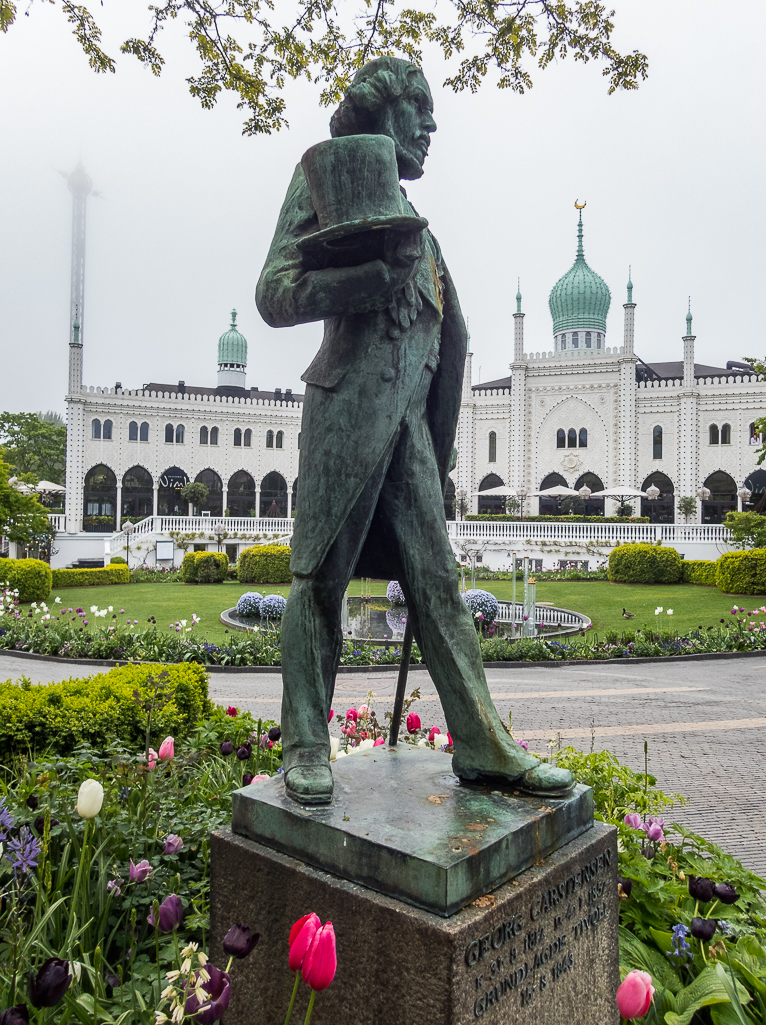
[449, 738]
[378, 742]
[332, 713]
[321, 963]
[634, 996]
[413, 722]
[435, 731]
[352, 714]
[301, 937]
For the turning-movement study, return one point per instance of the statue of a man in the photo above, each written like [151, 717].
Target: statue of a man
[379, 421]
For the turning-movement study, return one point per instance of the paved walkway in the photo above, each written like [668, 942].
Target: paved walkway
[705, 723]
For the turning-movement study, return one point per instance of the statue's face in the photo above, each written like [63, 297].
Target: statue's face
[409, 122]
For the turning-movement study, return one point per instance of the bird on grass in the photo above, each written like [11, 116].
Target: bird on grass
[628, 615]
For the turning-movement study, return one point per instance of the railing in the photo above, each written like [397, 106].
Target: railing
[57, 520]
[557, 621]
[559, 531]
[207, 525]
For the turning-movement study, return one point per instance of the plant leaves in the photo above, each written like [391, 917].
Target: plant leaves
[708, 988]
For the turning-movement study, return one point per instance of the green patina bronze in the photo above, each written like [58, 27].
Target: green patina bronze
[379, 420]
[401, 824]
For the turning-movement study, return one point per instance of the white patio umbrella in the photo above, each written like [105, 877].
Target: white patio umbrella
[503, 490]
[47, 487]
[557, 492]
[19, 485]
[619, 492]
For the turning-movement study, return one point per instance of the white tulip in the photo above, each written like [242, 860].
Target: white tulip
[90, 797]
[341, 754]
[334, 748]
[423, 742]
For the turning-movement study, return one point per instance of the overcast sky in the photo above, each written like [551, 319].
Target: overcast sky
[672, 175]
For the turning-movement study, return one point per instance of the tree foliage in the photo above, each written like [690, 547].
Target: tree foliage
[33, 447]
[748, 529]
[22, 517]
[249, 47]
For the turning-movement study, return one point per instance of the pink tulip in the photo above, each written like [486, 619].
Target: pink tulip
[301, 937]
[363, 709]
[413, 722]
[634, 995]
[633, 820]
[321, 962]
[152, 758]
[330, 716]
[433, 732]
[167, 750]
[259, 778]
[378, 742]
[352, 714]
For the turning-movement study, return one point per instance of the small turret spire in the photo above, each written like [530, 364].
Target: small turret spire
[630, 286]
[689, 319]
[518, 297]
[233, 318]
[580, 254]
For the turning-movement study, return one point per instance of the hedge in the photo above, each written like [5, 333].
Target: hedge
[742, 572]
[700, 571]
[32, 578]
[98, 710]
[117, 558]
[645, 564]
[205, 567]
[264, 564]
[116, 573]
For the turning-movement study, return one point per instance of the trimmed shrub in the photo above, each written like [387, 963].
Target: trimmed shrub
[117, 558]
[700, 571]
[112, 574]
[742, 572]
[100, 709]
[265, 564]
[395, 594]
[273, 606]
[250, 604]
[204, 567]
[645, 564]
[30, 577]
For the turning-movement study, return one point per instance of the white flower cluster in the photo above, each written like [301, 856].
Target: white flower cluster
[193, 982]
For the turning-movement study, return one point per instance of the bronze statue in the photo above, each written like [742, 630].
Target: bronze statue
[379, 420]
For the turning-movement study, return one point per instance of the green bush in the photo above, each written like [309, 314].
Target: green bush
[101, 709]
[264, 564]
[117, 573]
[204, 567]
[742, 572]
[31, 577]
[700, 571]
[645, 564]
[117, 558]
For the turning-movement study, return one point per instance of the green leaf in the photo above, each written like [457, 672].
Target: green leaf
[636, 954]
[710, 987]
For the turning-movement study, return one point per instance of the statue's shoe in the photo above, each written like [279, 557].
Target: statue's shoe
[541, 780]
[309, 784]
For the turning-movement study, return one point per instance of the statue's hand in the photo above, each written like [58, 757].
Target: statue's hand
[403, 253]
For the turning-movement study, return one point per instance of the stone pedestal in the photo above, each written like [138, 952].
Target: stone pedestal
[534, 937]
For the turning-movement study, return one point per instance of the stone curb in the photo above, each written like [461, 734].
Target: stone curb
[394, 667]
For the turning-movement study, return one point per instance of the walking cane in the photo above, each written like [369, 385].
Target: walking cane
[401, 683]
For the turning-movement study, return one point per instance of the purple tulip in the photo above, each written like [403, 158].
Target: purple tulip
[633, 820]
[18, 1015]
[113, 887]
[173, 844]
[171, 914]
[702, 928]
[33, 802]
[726, 893]
[654, 833]
[247, 779]
[219, 990]
[240, 941]
[245, 752]
[274, 734]
[701, 888]
[138, 873]
[226, 748]
[50, 984]
[625, 884]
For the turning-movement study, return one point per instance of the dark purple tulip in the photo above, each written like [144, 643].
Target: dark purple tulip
[113, 980]
[274, 734]
[50, 984]
[171, 914]
[219, 990]
[726, 893]
[39, 825]
[18, 1015]
[247, 779]
[626, 884]
[33, 802]
[226, 748]
[648, 851]
[702, 928]
[701, 888]
[244, 752]
[240, 941]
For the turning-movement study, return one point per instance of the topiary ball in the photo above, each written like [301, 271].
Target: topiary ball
[250, 604]
[395, 594]
[482, 603]
[273, 606]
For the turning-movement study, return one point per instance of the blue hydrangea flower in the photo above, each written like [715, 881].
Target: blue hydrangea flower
[395, 594]
[250, 604]
[273, 606]
[482, 603]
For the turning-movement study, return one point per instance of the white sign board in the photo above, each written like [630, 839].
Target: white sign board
[164, 551]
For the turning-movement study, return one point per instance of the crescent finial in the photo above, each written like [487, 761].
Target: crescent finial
[580, 206]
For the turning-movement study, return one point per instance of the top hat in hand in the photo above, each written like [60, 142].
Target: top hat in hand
[354, 186]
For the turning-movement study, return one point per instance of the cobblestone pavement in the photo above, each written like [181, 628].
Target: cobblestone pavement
[705, 723]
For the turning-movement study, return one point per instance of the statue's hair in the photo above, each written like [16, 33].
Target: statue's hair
[374, 86]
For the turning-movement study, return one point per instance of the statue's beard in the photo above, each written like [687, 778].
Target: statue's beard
[410, 160]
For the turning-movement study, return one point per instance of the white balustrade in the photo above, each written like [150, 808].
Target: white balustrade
[562, 531]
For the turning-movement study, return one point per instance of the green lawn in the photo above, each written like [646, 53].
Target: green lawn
[603, 602]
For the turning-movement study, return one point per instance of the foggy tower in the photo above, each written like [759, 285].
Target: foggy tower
[80, 186]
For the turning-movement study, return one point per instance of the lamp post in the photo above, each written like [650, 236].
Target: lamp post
[652, 492]
[744, 495]
[585, 494]
[521, 494]
[461, 500]
[128, 527]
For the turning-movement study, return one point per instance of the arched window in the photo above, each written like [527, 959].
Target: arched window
[662, 508]
[449, 499]
[132, 431]
[248, 438]
[169, 500]
[107, 430]
[598, 340]
[561, 438]
[755, 438]
[583, 437]
[241, 494]
[723, 497]
[168, 434]
[99, 500]
[725, 434]
[492, 447]
[280, 438]
[214, 501]
[492, 504]
[273, 495]
[714, 438]
[549, 505]
[571, 438]
[656, 443]
[593, 506]
[269, 439]
[294, 502]
[575, 339]
[213, 435]
[180, 434]
[95, 428]
[203, 435]
[137, 494]
[587, 340]
[563, 342]
[144, 433]
[237, 437]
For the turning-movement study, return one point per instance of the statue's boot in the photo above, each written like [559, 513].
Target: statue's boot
[498, 764]
[309, 784]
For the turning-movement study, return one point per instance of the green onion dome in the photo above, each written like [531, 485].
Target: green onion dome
[232, 346]
[581, 298]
